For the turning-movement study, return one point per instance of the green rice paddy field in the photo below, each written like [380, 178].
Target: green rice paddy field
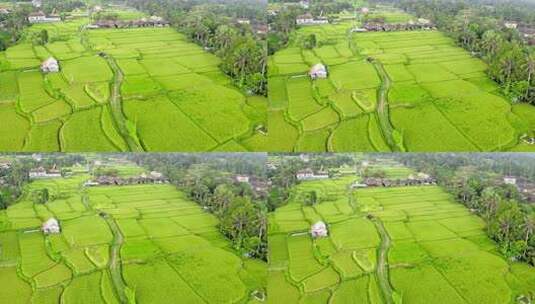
[437, 97]
[146, 242]
[169, 92]
[386, 245]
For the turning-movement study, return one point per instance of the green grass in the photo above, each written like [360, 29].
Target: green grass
[437, 248]
[158, 63]
[157, 121]
[83, 132]
[150, 288]
[12, 139]
[440, 98]
[15, 289]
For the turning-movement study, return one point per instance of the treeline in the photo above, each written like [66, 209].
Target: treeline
[478, 26]
[283, 176]
[12, 25]
[17, 175]
[61, 6]
[208, 180]
[283, 22]
[212, 24]
[476, 182]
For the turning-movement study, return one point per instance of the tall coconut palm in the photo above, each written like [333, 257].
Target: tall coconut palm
[529, 229]
[529, 67]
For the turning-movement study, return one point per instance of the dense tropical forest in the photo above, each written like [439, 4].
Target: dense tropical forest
[479, 27]
[475, 181]
[208, 180]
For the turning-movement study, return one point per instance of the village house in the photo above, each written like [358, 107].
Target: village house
[260, 186]
[357, 185]
[510, 24]
[153, 177]
[261, 29]
[156, 174]
[40, 17]
[509, 180]
[41, 173]
[50, 65]
[412, 180]
[381, 26]
[424, 21]
[319, 229]
[318, 71]
[51, 226]
[243, 21]
[308, 19]
[242, 178]
[153, 21]
[308, 174]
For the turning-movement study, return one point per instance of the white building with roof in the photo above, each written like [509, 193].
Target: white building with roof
[40, 173]
[509, 180]
[242, 178]
[51, 226]
[319, 229]
[51, 65]
[40, 17]
[318, 71]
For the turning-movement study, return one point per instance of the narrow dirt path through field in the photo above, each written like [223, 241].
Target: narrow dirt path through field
[382, 263]
[115, 260]
[116, 106]
[114, 263]
[382, 106]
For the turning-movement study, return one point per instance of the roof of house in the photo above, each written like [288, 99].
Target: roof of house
[50, 60]
[37, 14]
[51, 221]
[317, 67]
[319, 225]
[304, 16]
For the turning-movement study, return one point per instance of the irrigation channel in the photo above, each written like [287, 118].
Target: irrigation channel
[381, 271]
[382, 263]
[116, 106]
[115, 259]
[382, 106]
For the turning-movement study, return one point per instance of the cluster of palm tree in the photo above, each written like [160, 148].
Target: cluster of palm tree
[475, 181]
[208, 180]
[480, 28]
[214, 27]
[511, 62]
[508, 223]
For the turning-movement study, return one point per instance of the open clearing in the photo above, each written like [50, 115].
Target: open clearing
[122, 90]
[387, 91]
[384, 244]
[145, 240]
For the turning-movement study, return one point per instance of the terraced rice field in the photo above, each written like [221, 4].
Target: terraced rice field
[128, 89]
[388, 91]
[146, 242]
[386, 245]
